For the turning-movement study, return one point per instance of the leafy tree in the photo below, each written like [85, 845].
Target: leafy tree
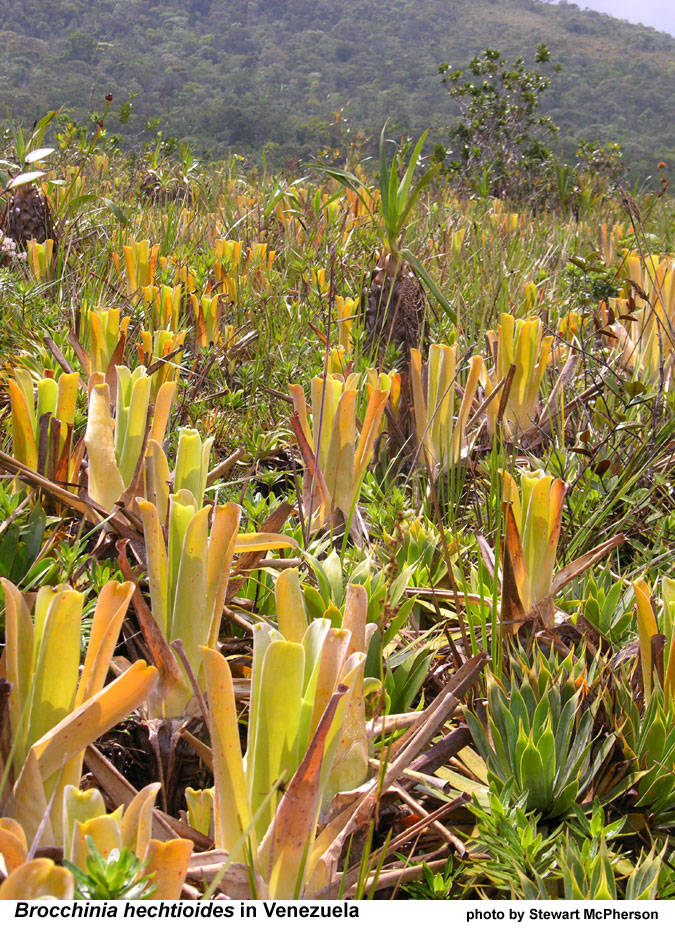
[604, 164]
[500, 140]
[238, 74]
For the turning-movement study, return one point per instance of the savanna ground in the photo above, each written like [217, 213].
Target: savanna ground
[446, 670]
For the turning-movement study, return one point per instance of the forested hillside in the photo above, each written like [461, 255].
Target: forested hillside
[250, 73]
[336, 504]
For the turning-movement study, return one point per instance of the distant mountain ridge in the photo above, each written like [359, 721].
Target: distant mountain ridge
[249, 73]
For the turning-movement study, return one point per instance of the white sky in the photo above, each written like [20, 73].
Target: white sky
[657, 13]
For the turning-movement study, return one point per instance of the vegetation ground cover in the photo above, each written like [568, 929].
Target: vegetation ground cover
[336, 533]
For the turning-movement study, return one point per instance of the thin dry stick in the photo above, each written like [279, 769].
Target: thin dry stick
[508, 381]
[12, 517]
[390, 877]
[235, 618]
[222, 468]
[177, 646]
[430, 820]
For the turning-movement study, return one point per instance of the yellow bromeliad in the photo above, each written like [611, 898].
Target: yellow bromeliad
[228, 258]
[534, 516]
[441, 415]
[189, 569]
[57, 709]
[190, 473]
[346, 312]
[649, 627]
[40, 259]
[103, 333]
[644, 324]
[520, 343]
[306, 730]
[335, 463]
[30, 879]
[207, 312]
[85, 817]
[114, 445]
[53, 414]
[159, 345]
[164, 305]
[140, 262]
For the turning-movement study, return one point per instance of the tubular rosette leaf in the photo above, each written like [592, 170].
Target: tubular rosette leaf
[207, 319]
[346, 310]
[349, 768]
[373, 383]
[232, 810]
[275, 752]
[164, 303]
[291, 613]
[79, 805]
[284, 857]
[188, 576]
[24, 426]
[106, 484]
[440, 418]
[192, 463]
[131, 416]
[94, 717]
[156, 346]
[520, 343]
[56, 401]
[189, 619]
[102, 330]
[56, 710]
[42, 657]
[140, 260]
[648, 627]
[13, 846]
[189, 572]
[537, 513]
[644, 327]
[38, 879]
[160, 419]
[40, 255]
[200, 809]
[114, 446]
[190, 473]
[104, 832]
[342, 459]
[157, 479]
[167, 865]
[668, 594]
[306, 734]
[84, 816]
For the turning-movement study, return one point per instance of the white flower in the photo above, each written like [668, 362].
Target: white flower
[8, 247]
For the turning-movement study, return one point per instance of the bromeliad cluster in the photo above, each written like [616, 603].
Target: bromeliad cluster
[335, 459]
[306, 741]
